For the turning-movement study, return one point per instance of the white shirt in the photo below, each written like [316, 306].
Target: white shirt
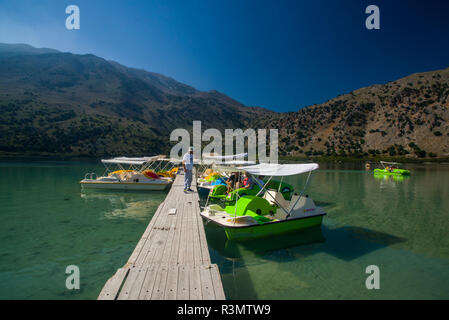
[188, 161]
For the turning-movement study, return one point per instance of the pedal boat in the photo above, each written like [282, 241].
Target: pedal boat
[138, 176]
[210, 177]
[219, 192]
[391, 168]
[270, 214]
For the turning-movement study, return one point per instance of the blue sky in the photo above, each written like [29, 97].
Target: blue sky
[281, 55]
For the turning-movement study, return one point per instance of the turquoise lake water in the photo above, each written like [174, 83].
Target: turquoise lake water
[402, 226]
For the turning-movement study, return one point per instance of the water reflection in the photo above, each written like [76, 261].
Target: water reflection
[400, 223]
[387, 181]
[346, 243]
[131, 205]
[259, 247]
[411, 208]
[350, 243]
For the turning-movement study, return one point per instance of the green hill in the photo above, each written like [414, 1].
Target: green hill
[55, 103]
[408, 117]
[82, 105]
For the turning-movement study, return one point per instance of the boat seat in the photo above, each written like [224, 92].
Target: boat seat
[300, 206]
[274, 198]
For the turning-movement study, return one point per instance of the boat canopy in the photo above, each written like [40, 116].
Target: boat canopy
[126, 160]
[386, 162]
[236, 163]
[173, 160]
[224, 168]
[115, 161]
[278, 170]
[234, 156]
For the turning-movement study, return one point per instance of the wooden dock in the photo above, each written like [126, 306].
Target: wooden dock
[171, 261]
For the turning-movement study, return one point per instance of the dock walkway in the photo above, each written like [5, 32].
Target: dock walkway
[171, 261]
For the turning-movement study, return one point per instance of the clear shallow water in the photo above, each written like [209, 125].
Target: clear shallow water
[47, 223]
[402, 226]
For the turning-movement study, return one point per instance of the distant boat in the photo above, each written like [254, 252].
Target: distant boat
[132, 174]
[391, 168]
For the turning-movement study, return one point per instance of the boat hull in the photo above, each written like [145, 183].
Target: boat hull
[203, 191]
[124, 186]
[241, 233]
[399, 172]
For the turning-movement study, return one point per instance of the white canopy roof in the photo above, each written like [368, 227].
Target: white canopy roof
[234, 156]
[387, 162]
[116, 161]
[138, 159]
[221, 168]
[236, 162]
[273, 169]
[126, 160]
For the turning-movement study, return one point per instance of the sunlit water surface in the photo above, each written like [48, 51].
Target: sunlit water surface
[402, 226]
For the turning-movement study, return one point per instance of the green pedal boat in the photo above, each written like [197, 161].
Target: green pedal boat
[391, 168]
[267, 213]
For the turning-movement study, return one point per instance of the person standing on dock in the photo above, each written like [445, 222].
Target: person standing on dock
[187, 164]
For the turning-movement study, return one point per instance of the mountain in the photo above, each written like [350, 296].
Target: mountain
[9, 50]
[407, 117]
[62, 103]
[55, 103]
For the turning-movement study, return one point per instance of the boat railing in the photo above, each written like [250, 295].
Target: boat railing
[90, 176]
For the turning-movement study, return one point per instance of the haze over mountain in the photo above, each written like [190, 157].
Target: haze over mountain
[55, 103]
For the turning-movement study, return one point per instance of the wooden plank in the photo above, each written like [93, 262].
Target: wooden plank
[112, 286]
[174, 253]
[194, 283]
[207, 287]
[160, 283]
[171, 221]
[205, 257]
[160, 247]
[171, 289]
[183, 292]
[217, 283]
[189, 258]
[201, 256]
[141, 255]
[148, 282]
[171, 260]
[133, 287]
[144, 285]
[196, 243]
[160, 280]
[183, 243]
[127, 290]
[145, 237]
